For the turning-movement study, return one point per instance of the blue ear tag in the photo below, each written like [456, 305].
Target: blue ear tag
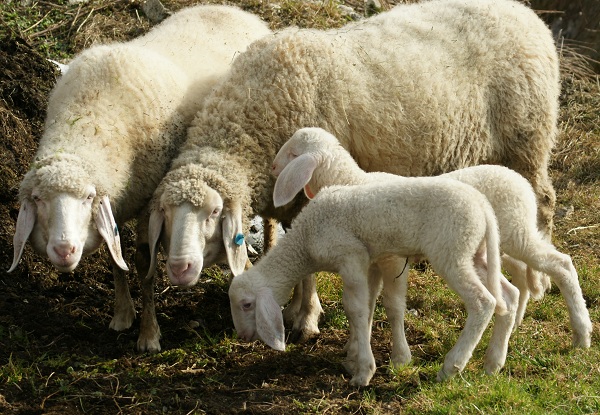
[239, 239]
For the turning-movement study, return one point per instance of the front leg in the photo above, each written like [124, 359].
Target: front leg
[149, 338]
[124, 309]
[306, 320]
[356, 299]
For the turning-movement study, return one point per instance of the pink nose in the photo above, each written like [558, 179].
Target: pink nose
[64, 251]
[179, 268]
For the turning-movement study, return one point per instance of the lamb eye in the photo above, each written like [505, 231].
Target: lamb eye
[36, 198]
[247, 306]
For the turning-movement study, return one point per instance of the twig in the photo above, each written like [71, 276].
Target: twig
[579, 228]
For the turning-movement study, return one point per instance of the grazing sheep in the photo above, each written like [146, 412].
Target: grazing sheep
[313, 159]
[115, 120]
[419, 90]
[345, 229]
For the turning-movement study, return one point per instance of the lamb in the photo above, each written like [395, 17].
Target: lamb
[313, 159]
[115, 120]
[345, 229]
[419, 90]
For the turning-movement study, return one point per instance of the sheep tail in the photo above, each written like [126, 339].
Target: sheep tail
[492, 239]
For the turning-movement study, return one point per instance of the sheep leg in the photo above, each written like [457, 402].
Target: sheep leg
[545, 258]
[361, 362]
[306, 320]
[149, 338]
[480, 306]
[495, 355]
[124, 309]
[375, 283]
[518, 270]
[394, 300]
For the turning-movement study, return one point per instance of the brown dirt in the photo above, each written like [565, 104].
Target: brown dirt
[52, 325]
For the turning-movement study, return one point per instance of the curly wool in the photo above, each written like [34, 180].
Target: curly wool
[420, 90]
[66, 173]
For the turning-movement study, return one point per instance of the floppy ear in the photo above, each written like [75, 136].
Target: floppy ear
[234, 240]
[25, 222]
[293, 178]
[107, 227]
[269, 320]
[155, 225]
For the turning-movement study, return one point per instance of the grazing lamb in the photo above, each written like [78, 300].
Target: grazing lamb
[313, 159]
[115, 120]
[347, 228]
[419, 90]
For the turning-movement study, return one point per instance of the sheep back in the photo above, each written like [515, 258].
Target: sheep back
[419, 90]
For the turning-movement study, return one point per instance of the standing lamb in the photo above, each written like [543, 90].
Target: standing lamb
[115, 120]
[345, 229]
[420, 90]
[313, 159]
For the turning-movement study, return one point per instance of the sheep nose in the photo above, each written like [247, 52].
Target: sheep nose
[179, 268]
[64, 250]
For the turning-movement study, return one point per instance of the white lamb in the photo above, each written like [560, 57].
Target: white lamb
[346, 229]
[419, 90]
[313, 159]
[115, 120]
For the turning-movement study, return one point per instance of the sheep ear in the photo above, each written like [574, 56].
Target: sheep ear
[233, 239]
[25, 222]
[293, 178]
[107, 227]
[155, 225]
[269, 320]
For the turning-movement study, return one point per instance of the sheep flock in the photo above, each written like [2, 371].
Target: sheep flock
[423, 132]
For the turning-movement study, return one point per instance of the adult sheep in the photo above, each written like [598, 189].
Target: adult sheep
[115, 120]
[420, 90]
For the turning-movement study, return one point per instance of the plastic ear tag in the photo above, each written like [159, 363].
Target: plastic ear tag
[239, 239]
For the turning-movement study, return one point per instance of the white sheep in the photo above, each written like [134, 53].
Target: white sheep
[115, 120]
[419, 90]
[346, 229]
[313, 159]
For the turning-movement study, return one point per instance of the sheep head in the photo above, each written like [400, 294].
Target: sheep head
[195, 225]
[296, 162]
[256, 314]
[63, 216]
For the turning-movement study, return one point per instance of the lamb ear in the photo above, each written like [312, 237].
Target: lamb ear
[155, 225]
[293, 178]
[25, 222]
[233, 239]
[269, 320]
[107, 227]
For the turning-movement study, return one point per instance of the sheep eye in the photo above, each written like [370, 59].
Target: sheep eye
[36, 198]
[247, 306]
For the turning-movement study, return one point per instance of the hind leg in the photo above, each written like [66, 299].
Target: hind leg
[495, 355]
[518, 270]
[480, 305]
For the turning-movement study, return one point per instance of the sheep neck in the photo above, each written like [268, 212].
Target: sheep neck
[286, 265]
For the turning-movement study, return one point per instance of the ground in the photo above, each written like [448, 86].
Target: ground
[58, 356]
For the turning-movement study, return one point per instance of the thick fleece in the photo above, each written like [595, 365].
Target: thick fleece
[419, 90]
[115, 121]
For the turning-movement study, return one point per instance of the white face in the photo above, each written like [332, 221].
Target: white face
[286, 154]
[192, 237]
[243, 312]
[64, 228]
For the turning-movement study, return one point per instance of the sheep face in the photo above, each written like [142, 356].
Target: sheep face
[66, 226]
[256, 314]
[195, 235]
